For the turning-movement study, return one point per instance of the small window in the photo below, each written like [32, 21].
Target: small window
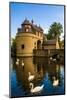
[35, 47]
[35, 43]
[22, 46]
[27, 29]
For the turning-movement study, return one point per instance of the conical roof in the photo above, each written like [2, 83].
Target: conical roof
[26, 22]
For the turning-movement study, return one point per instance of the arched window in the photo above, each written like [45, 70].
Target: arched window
[39, 44]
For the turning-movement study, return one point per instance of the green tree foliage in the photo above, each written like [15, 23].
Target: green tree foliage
[55, 30]
[13, 47]
[61, 43]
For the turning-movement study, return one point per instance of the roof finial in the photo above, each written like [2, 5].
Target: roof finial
[25, 18]
[32, 21]
[39, 25]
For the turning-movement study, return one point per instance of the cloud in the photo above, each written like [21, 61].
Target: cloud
[62, 36]
[45, 30]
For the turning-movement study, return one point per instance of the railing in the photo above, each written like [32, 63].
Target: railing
[48, 52]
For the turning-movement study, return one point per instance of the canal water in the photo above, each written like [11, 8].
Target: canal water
[45, 72]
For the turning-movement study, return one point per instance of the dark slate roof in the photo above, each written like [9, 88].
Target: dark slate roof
[40, 28]
[26, 22]
[35, 27]
[49, 42]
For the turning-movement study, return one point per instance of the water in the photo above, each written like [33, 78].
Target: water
[44, 72]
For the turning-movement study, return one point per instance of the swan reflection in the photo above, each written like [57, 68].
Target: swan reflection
[31, 77]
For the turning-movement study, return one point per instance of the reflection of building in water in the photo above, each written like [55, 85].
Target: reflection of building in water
[39, 71]
[54, 71]
[43, 66]
[23, 73]
[39, 68]
[30, 37]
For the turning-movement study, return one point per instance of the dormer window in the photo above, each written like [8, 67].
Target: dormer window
[27, 29]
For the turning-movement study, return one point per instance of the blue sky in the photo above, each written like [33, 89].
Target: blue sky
[43, 15]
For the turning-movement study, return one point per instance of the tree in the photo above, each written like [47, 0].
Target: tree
[61, 43]
[13, 47]
[55, 30]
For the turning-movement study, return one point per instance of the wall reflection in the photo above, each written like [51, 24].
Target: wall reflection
[39, 68]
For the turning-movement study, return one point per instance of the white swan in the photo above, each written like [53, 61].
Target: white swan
[17, 62]
[22, 63]
[55, 82]
[51, 58]
[31, 77]
[54, 59]
[36, 89]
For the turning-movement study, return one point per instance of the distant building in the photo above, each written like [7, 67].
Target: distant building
[51, 44]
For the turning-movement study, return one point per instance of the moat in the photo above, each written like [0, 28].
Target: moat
[44, 72]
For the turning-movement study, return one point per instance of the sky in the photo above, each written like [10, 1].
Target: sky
[42, 14]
